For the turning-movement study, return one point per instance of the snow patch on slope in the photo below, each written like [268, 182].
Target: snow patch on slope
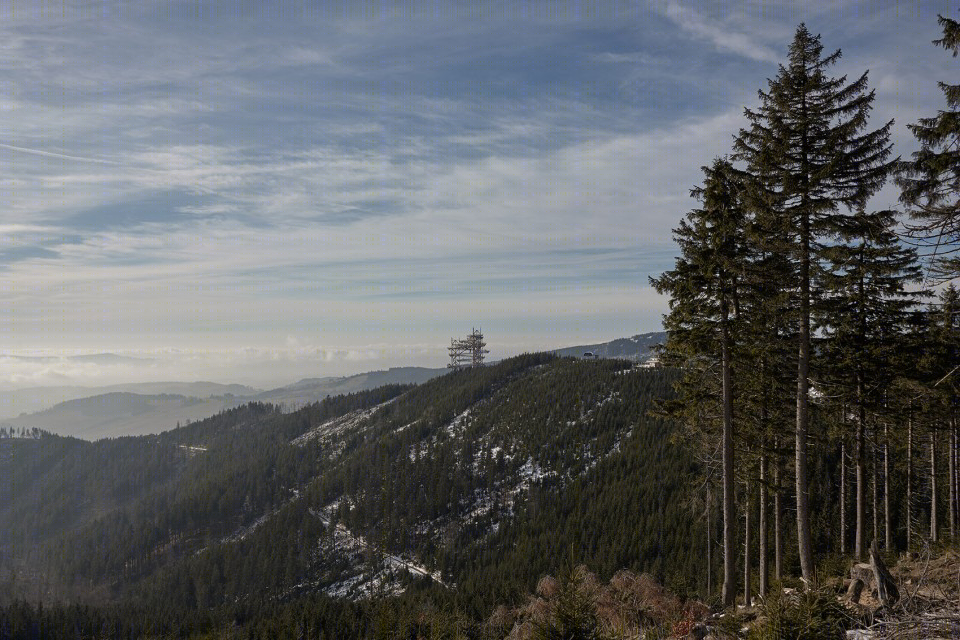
[458, 425]
[338, 426]
[382, 580]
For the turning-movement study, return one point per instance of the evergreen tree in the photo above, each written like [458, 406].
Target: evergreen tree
[939, 377]
[930, 180]
[866, 305]
[704, 307]
[763, 380]
[808, 154]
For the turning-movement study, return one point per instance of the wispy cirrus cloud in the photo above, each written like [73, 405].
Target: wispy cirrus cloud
[723, 34]
[53, 154]
[364, 177]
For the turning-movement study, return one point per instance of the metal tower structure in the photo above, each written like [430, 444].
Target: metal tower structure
[467, 352]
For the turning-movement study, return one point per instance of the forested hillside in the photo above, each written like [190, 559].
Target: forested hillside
[469, 487]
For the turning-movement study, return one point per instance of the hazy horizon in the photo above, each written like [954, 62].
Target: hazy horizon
[260, 368]
[256, 194]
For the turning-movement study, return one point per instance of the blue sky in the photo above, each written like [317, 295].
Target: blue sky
[329, 187]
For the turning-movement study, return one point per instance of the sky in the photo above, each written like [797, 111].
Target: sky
[262, 191]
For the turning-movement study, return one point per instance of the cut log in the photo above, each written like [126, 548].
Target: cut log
[887, 591]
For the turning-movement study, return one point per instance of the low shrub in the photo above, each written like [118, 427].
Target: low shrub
[808, 615]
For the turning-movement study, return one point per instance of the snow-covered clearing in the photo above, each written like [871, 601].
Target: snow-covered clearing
[345, 540]
[338, 426]
[191, 451]
[406, 426]
[458, 424]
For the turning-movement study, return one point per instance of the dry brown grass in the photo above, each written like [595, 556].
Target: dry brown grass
[623, 609]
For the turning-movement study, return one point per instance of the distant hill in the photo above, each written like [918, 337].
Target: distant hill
[309, 390]
[158, 407]
[101, 358]
[154, 407]
[639, 347]
[117, 414]
[32, 399]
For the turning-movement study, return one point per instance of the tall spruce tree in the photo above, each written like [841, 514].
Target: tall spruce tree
[763, 381]
[808, 154]
[704, 288]
[930, 180]
[939, 373]
[866, 303]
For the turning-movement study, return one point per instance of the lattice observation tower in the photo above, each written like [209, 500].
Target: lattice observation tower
[467, 352]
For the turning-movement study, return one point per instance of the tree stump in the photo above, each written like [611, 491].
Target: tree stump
[854, 590]
[863, 572]
[887, 591]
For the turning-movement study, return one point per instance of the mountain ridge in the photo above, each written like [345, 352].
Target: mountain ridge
[26, 400]
[638, 347]
[65, 418]
[120, 413]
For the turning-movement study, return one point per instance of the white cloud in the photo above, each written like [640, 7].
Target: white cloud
[307, 55]
[575, 317]
[722, 35]
[373, 180]
[465, 234]
[631, 57]
[52, 154]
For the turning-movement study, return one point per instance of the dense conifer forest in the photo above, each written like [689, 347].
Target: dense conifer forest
[483, 477]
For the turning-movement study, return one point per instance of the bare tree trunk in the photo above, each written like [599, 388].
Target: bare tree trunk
[843, 496]
[952, 469]
[933, 487]
[876, 492]
[909, 483]
[956, 469]
[747, 542]
[804, 542]
[709, 509]
[777, 519]
[729, 497]
[860, 548]
[887, 524]
[764, 528]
